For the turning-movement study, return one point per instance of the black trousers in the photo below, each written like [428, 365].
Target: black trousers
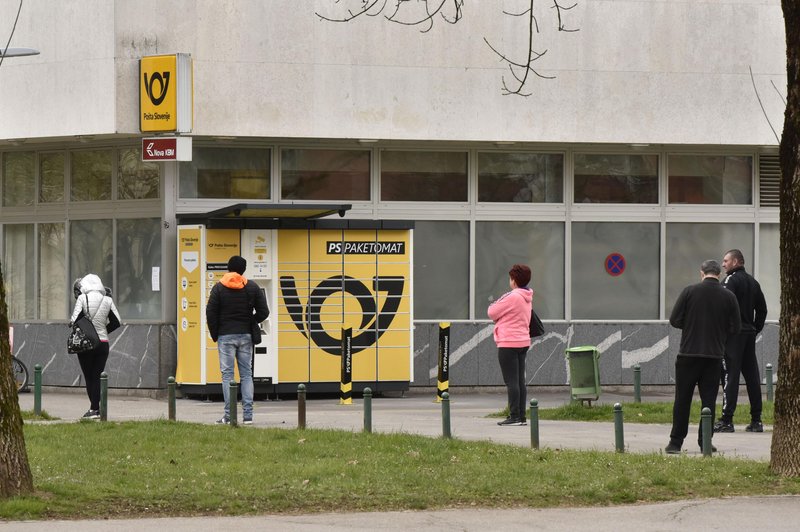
[92, 364]
[740, 359]
[512, 366]
[690, 372]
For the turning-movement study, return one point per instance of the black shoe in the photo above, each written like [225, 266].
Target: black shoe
[672, 448]
[723, 426]
[224, 420]
[754, 426]
[92, 414]
[511, 421]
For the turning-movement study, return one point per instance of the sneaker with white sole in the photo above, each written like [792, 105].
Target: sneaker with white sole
[224, 420]
[248, 420]
[511, 421]
[92, 414]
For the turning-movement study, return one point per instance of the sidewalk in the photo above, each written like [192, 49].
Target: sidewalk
[417, 413]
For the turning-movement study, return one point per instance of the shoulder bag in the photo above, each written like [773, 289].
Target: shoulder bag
[83, 336]
[537, 327]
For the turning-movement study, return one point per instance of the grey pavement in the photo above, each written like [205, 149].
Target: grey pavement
[418, 413]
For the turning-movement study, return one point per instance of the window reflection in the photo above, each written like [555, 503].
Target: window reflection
[520, 177]
[423, 176]
[711, 179]
[616, 178]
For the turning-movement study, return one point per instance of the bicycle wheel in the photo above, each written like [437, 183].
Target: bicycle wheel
[20, 373]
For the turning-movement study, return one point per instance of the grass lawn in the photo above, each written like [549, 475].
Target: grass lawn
[162, 468]
[643, 413]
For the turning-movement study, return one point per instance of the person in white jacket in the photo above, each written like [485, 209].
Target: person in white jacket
[91, 298]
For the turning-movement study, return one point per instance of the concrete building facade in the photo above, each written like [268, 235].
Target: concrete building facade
[641, 141]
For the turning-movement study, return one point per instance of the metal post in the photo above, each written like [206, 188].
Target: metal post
[301, 406]
[104, 396]
[171, 398]
[37, 390]
[637, 383]
[367, 410]
[768, 376]
[619, 436]
[234, 403]
[705, 425]
[534, 417]
[446, 414]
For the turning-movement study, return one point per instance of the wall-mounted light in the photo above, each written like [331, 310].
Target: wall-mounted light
[17, 142]
[367, 141]
[224, 138]
[504, 143]
[640, 145]
[84, 138]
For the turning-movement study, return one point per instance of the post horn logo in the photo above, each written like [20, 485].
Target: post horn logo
[163, 82]
[373, 322]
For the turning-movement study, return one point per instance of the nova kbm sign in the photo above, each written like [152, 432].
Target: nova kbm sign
[167, 149]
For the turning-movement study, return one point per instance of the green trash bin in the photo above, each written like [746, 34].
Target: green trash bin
[584, 373]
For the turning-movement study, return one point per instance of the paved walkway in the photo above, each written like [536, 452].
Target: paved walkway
[419, 414]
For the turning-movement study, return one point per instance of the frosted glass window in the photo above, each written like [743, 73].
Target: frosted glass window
[540, 245]
[689, 244]
[227, 173]
[91, 250]
[616, 178]
[137, 179]
[423, 176]
[18, 178]
[91, 175]
[628, 289]
[441, 270]
[521, 177]
[18, 275]
[53, 282]
[325, 174]
[138, 251]
[769, 275]
[710, 179]
[51, 177]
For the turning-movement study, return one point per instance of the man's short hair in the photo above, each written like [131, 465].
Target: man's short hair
[736, 254]
[710, 267]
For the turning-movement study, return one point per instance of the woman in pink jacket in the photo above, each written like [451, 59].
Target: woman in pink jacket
[511, 315]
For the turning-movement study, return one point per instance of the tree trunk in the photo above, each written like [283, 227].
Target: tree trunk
[785, 453]
[15, 473]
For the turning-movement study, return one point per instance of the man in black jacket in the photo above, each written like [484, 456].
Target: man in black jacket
[740, 351]
[707, 314]
[234, 306]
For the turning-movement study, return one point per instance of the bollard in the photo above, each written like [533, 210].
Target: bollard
[37, 390]
[705, 435]
[637, 383]
[619, 437]
[367, 410]
[301, 406]
[446, 414]
[534, 417]
[768, 375]
[346, 381]
[171, 398]
[104, 396]
[233, 397]
[443, 379]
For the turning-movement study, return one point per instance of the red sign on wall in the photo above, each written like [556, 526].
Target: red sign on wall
[167, 149]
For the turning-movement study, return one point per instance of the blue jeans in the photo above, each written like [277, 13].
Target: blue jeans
[240, 347]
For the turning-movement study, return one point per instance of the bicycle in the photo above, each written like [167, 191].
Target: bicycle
[20, 373]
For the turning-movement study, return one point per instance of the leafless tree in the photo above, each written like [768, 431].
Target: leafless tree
[423, 13]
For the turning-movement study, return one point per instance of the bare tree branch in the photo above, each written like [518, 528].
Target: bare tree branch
[366, 5]
[753, 80]
[558, 7]
[780, 95]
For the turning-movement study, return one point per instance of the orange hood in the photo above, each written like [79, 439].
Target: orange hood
[233, 280]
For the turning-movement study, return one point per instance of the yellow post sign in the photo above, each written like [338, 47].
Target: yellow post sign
[165, 93]
[190, 292]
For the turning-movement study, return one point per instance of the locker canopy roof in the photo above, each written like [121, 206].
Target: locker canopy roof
[307, 211]
[284, 215]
